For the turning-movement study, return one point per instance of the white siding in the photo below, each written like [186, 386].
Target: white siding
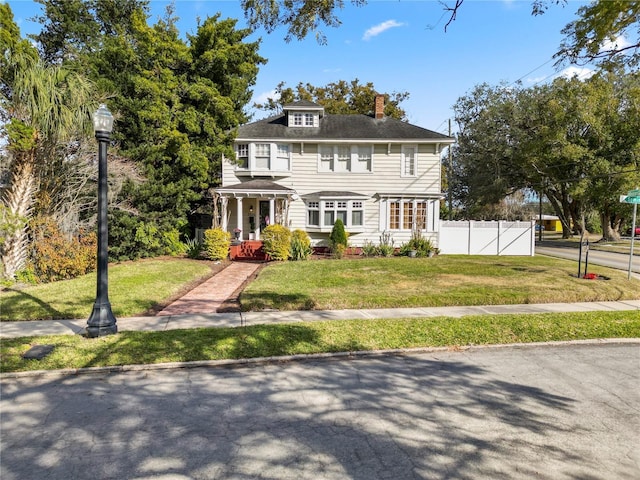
[386, 178]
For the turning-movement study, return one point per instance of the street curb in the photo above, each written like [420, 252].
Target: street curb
[248, 362]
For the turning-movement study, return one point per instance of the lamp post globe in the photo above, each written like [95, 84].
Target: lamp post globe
[102, 321]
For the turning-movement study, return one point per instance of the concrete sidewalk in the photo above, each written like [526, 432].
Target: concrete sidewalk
[237, 319]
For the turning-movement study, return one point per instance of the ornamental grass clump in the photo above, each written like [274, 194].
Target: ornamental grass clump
[418, 244]
[276, 240]
[216, 243]
[300, 245]
[386, 248]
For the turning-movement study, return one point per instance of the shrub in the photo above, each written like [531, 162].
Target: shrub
[338, 250]
[277, 242]
[300, 245]
[26, 276]
[131, 237]
[216, 243]
[171, 243]
[338, 235]
[54, 256]
[422, 246]
[338, 239]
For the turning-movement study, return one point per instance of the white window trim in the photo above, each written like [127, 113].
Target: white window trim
[303, 119]
[349, 215]
[273, 157]
[404, 160]
[354, 161]
[429, 212]
[355, 158]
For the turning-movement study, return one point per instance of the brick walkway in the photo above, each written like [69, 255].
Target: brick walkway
[209, 296]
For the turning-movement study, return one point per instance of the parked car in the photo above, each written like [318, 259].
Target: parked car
[637, 231]
[538, 227]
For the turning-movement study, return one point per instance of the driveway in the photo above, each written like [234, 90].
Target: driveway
[556, 412]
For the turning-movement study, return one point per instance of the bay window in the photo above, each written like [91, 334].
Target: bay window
[324, 213]
[263, 158]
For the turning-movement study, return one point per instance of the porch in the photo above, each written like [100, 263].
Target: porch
[247, 250]
[249, 207]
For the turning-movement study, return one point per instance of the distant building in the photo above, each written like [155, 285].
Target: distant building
[551, 223]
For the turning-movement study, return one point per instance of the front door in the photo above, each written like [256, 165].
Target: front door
[264, 214]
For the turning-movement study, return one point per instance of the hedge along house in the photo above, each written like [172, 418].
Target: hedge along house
[305, 169]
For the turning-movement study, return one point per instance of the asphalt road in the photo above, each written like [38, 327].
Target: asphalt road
[544, 412]
[596, 257]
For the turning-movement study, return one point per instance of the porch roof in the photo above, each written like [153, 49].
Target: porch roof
[256, 188]
[334, 194]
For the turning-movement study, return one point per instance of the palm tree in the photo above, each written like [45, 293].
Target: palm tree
[47, 106]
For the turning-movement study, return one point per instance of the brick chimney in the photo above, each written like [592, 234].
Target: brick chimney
[378, 108]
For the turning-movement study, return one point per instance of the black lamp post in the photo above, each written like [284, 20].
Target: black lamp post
[101, 321]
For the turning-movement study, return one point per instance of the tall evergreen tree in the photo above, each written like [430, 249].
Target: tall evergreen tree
[176, 102]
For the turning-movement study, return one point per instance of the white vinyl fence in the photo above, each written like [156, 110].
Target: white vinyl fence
[487, 238]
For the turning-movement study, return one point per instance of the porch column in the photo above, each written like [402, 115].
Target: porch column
[272, 210]
[239, 215]
[224, 201]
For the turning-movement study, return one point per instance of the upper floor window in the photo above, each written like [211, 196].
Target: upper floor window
[299, 119]
[345, 158]
[263, 157]
[242, 153]
[326, 158]
[409, 161]
[363, 159]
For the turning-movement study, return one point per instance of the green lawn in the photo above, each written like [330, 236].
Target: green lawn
[444, 280]
[314, 337]
[134, 288]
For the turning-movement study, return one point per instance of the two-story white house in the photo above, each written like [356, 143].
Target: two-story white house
[305, 169]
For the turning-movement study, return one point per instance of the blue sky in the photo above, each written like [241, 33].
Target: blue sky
[399, 45]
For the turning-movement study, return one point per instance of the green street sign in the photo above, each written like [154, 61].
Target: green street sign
[634, 193]
[632, 199]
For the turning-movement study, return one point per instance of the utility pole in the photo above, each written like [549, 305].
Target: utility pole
[449, 177]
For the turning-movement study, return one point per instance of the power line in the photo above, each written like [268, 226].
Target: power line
[535, 69]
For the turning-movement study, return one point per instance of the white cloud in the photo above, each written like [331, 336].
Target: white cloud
[615, 44]
[581, 73]
[535, 80]
[264, 96]
[381, 27]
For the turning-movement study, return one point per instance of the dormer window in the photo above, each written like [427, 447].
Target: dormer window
[303, 114]
[303, 119]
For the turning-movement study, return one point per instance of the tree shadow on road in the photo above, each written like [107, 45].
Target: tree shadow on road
[426, 416]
